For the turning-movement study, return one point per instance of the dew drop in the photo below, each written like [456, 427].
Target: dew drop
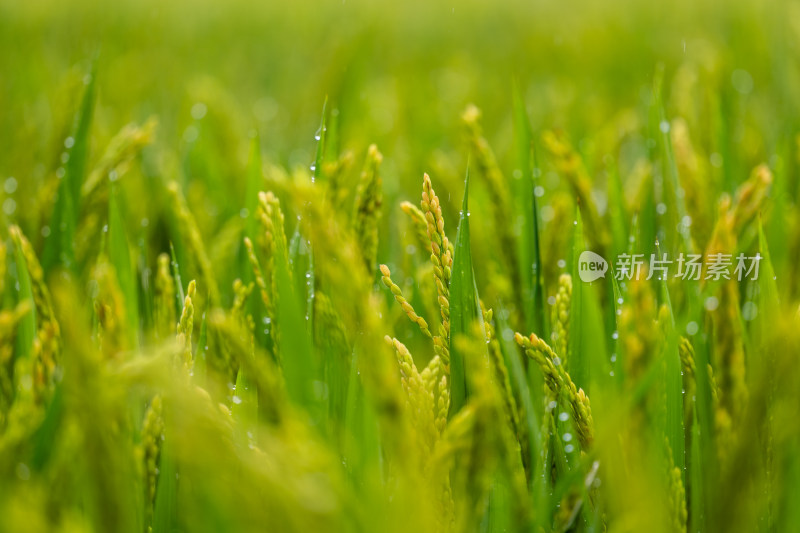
[23, 472]
[10, 185]
[9, 206]
[199, 110]
[749, 311]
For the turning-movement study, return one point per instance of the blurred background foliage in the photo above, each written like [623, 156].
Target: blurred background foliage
[400, 74]
[186, 110]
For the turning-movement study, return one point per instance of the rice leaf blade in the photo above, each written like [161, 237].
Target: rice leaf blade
[59, 247]
[527, 218]
[320, 136]
[120, 257]
[464, 307]
[296, 352]
[26, 331]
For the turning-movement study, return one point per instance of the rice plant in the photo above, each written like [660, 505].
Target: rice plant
[567, 303]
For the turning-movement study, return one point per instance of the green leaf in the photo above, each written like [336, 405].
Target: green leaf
[703, 432]
[697, 483]
[618, 217]
[332, 141]
[180, 295]
[767, 303]
[120, 257]
[26, 330]
[768, 286]
[165, 513]
[320, 137]
[301, 262]
[361, 451]
[59, 246]
[200, 353]
[464, 306]
[672, 192]
[673, 383]
[254, 182]
[499, 510]
[300, 368]
[588, 361]
[245, 400]
[532, 400]
[527, 219]
[44, 440]
[253, 185]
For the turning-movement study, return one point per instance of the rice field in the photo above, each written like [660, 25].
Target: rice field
[359, 267]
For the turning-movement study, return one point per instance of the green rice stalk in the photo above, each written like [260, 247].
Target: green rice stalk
[263, 290]
[118, 157]
[420, 400]
[497, 186]
[677, 496]
[186, 327]
[47, 343]
[442, 260]
[400, 299]
[339, 272]
[561, 318]
[9, 328]
[149, 451]
[41, 293]
[560, 384]
[419, 224]
[329, 327]
[367, 207]
[637, 332]
[686, 352]
[194, 241]
[554, 245]
[501, 373]
[164, 312]
[569, 164]
[110, 310]
[729, 349]
[271, 217]
[691, 172]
